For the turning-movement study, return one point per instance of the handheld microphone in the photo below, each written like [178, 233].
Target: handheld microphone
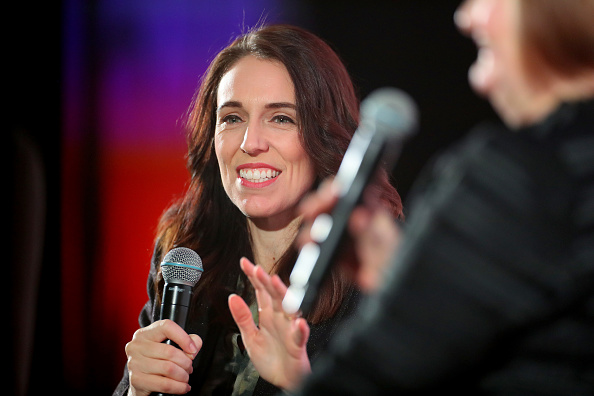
[181, 269]
[388, 118]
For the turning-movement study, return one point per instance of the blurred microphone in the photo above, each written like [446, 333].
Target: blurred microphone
[181, 269]
[388, 118]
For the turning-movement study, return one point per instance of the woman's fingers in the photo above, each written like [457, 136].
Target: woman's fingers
[242, 315]
[250, 270]
[145, 384]
[195, 338]
[376, 238]
[277, 288]
[320, 201]
[270, 290]
[156, 366]
[169, 330]
[277, 346]
[301, 332]
[152, 338]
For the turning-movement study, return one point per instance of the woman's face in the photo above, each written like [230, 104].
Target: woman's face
[264, 168]
[499, 72]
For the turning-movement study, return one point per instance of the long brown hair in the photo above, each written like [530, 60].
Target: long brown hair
[205, 219]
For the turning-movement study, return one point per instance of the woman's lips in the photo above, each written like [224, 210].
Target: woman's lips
[257, 175]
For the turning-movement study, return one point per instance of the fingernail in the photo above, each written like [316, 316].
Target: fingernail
[193, 348]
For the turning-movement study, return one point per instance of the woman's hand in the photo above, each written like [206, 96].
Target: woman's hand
[277, 347]
[372, 229]
[157, 367]
[376, 238]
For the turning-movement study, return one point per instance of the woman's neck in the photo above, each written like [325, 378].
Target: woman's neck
[559, 89]
[271, 241]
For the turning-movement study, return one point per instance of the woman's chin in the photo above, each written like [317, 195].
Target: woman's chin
[480, 79]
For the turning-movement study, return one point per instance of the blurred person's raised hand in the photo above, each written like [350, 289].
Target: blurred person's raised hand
[372, 229]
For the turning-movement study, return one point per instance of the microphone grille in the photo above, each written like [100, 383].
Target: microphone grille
[183, 265]
[392, 111]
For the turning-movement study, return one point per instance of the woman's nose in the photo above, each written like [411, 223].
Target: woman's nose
[473, 14]
[254, 139]
[462, 17]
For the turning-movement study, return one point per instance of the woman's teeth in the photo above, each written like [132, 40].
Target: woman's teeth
[258, 175]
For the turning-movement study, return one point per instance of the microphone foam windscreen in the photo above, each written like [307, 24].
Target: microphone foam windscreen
[183, 265]
[392, 111]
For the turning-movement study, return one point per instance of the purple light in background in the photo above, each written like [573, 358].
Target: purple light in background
[152, 56]
[130, 70]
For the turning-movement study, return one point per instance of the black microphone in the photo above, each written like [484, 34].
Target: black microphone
[181, 269]
[388, 118]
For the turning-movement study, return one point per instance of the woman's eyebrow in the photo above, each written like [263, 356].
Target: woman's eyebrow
[274, 105]
[231, 103]
[280, 105]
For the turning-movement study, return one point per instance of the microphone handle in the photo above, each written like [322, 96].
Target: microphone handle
[329, 248]
[176, 303]
[175, 306]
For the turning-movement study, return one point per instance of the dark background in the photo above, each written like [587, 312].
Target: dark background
[76, 298]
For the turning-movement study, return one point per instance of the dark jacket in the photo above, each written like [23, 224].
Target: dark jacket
[492, 291]
[209, 376]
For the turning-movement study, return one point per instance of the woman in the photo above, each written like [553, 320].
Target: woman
[492, 288]
[272, 117]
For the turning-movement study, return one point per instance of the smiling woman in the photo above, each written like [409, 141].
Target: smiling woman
[272, 118]
[257, 133]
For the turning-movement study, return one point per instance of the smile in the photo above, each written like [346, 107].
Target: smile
[258, 175]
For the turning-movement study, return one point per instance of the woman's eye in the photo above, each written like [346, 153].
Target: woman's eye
[283, 119]
[231, 119]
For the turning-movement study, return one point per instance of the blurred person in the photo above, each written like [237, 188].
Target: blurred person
[272, 117]
[491, 288]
